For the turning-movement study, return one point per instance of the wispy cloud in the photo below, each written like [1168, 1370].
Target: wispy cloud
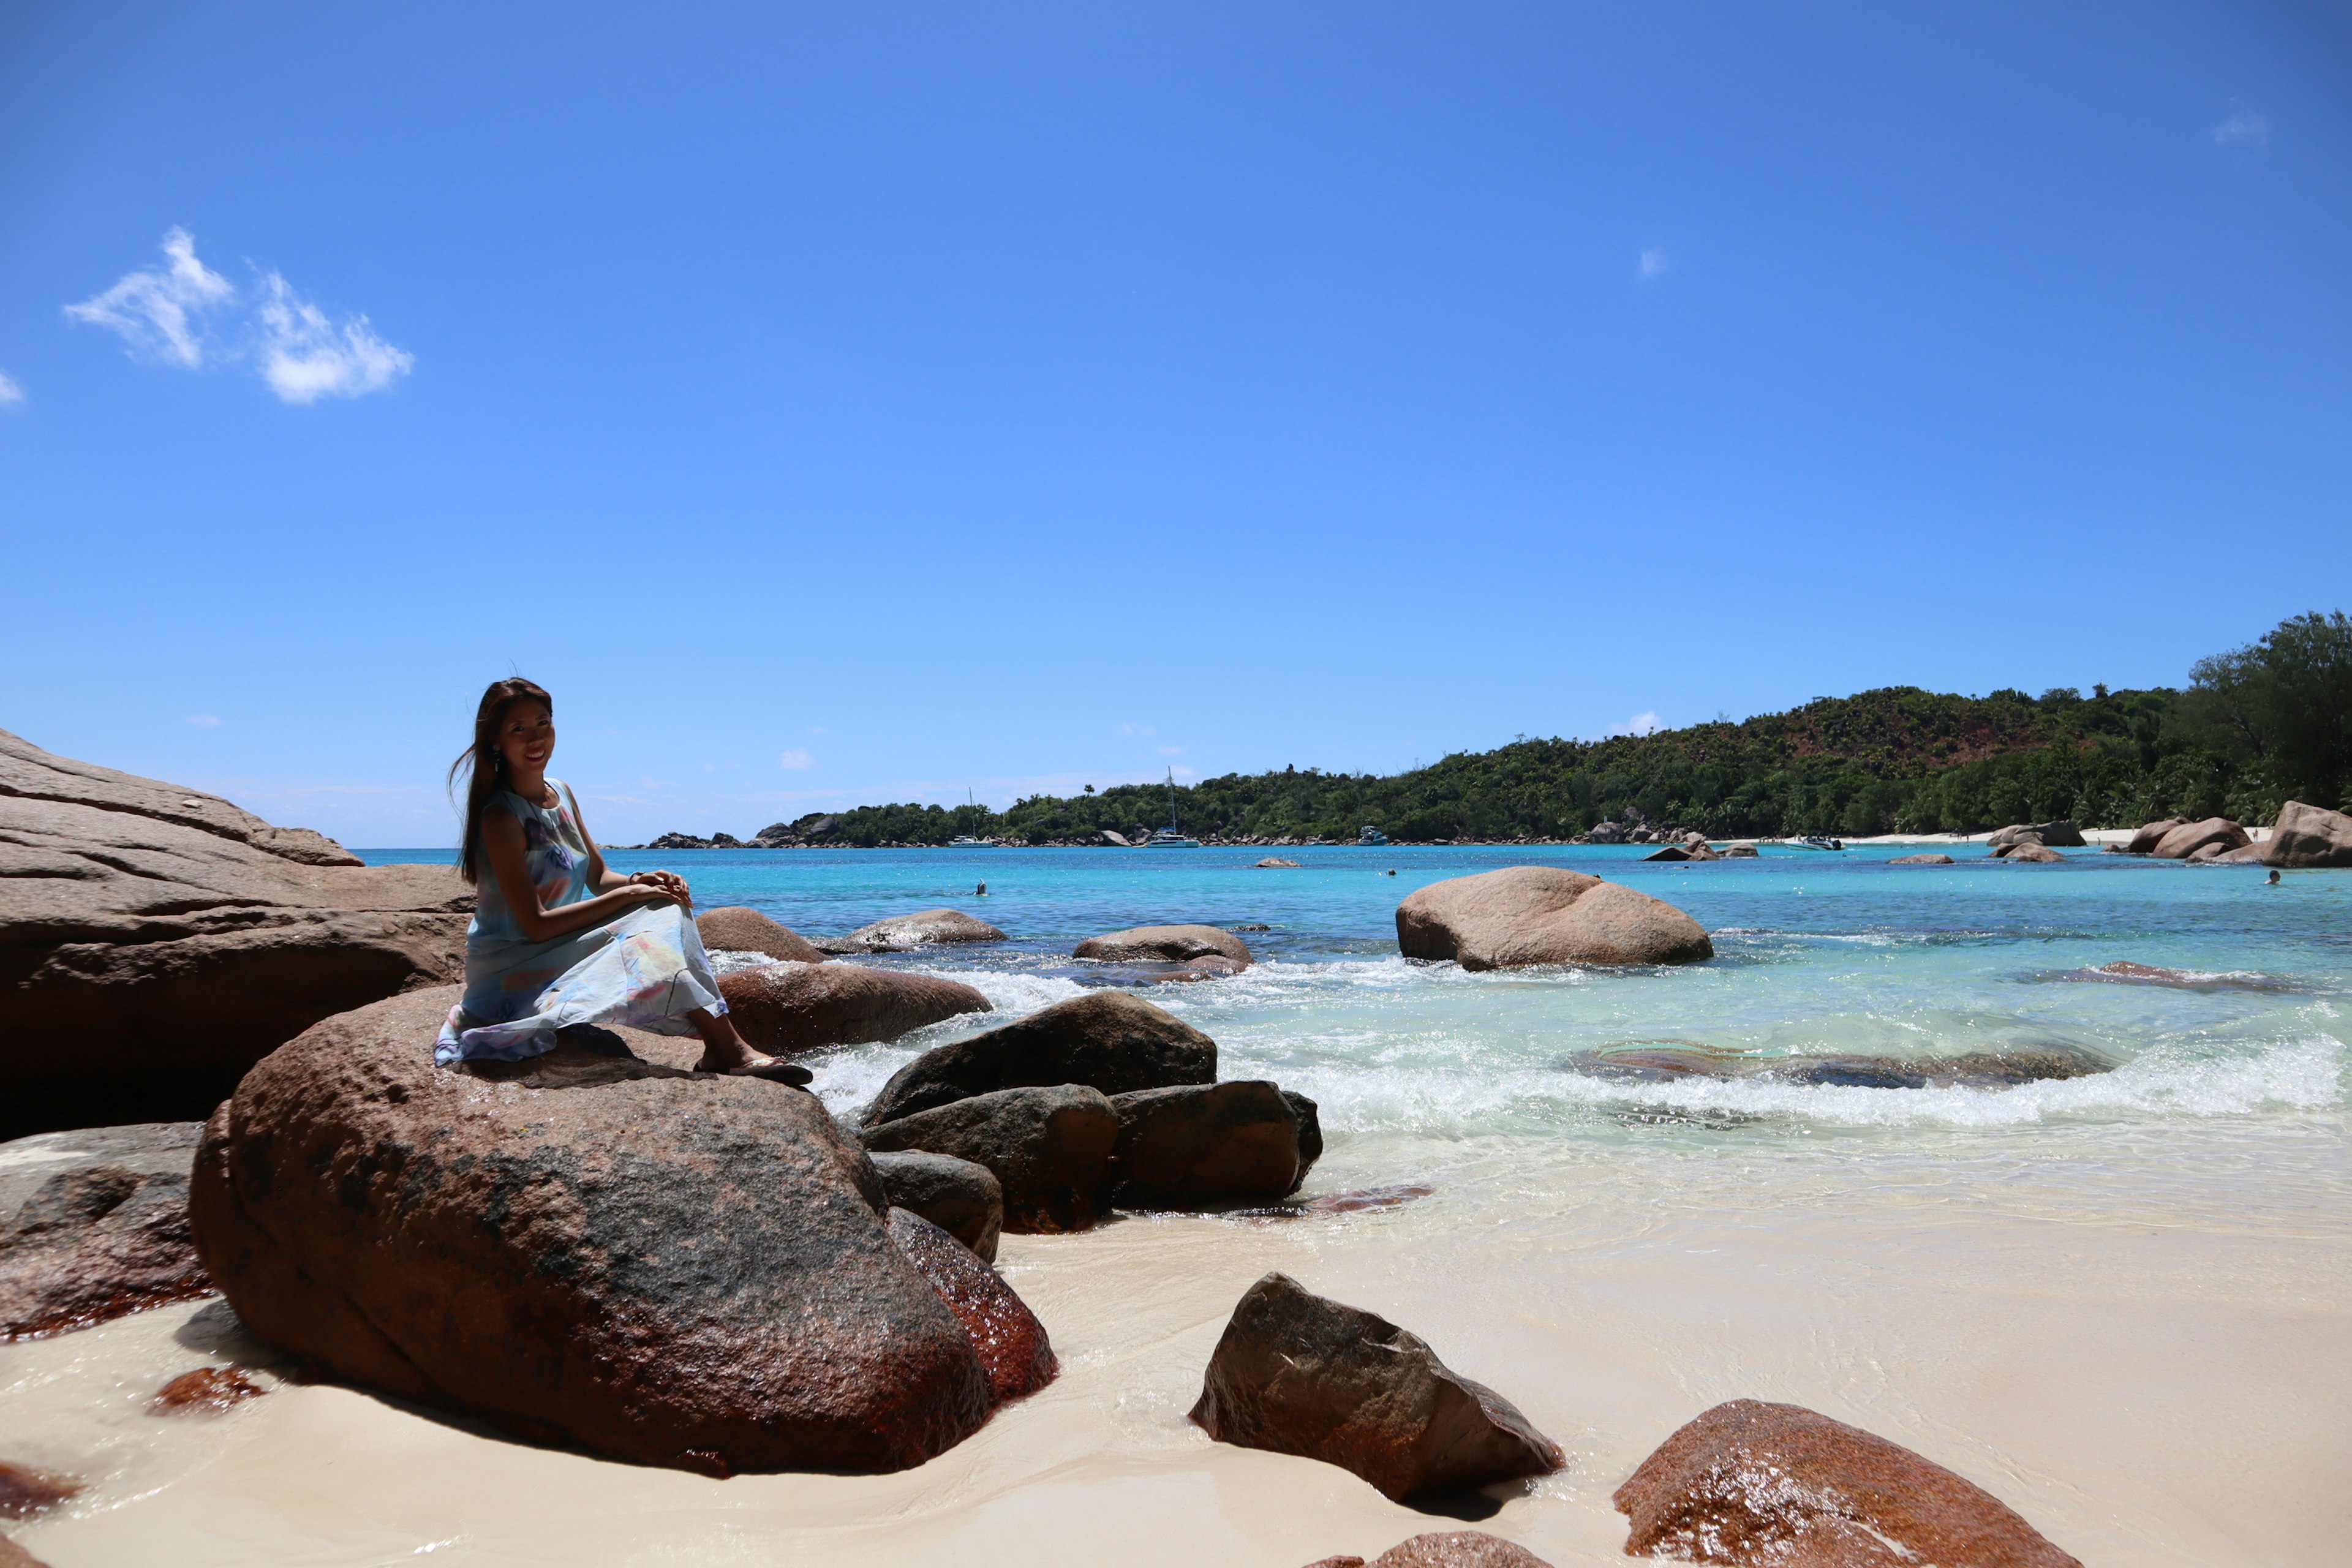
[1654, 263]
[11, 394]
[796, 761]
[1170, 751]
[1639, 724]
[167, 315]
[2243, 127]
[1137, 730]
[205, 721]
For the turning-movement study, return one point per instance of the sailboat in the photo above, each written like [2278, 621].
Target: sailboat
[1171, 837]
[965, 840]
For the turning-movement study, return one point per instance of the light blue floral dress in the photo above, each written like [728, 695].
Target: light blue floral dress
[645, 968]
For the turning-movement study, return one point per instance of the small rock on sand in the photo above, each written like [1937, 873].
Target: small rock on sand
[26, 1492]
[206, 1388]
[1448, 1549]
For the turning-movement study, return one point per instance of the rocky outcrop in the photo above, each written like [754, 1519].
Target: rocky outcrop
[1209, 1144]
[1664, 1063]
[156, 941]
[1172, 944]
[1011, 1342]
[800, 1006]
[98, 1228]
[903, 933]
[2151, 834]
[959, 1196]
[1921, 860]
[2307, 835]
[1050, 1148]
[1273, 863]
[1107, 1040]
[736, 928]
[587, 1247]
[2028, 853]
[1749, 1482]
[1297, 1373]
[1446, 1549]
[2186, 840]
[2060, 835]
[1541, 914]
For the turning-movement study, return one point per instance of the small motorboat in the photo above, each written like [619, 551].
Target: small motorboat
[1815, 841]
[1371, 837]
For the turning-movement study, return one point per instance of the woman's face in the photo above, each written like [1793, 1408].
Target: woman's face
[526, 736]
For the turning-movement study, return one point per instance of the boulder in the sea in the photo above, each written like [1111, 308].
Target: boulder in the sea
[586, 1248]
[1172, 944]
[2305, 837]
[737, 929]
[1011, 1342]
[1752, 1483]
[206, 1388]
[1299, 1373]
[2028, 853]
[1107, 1040]
[959, 1196]
[2151, 834]
[1671, 852]
[2190, 836]
[103, 1233]
[1739, 852]
[902, 934]
[799, 1006]
[2058, 835]
[1542, 914]
[1446, 1549]
[156, 941]
[2243, 854]
[1273, 863]
[1921, 860]
[1050, 1148]
[1207, 1143]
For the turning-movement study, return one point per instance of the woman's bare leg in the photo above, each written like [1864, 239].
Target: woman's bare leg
[722, 1049]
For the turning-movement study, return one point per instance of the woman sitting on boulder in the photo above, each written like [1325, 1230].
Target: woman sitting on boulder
[558, 938]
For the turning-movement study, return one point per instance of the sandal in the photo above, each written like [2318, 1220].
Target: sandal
[774, 1072]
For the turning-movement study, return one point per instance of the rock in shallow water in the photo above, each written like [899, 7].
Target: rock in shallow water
[736, 928]
[1176, 944]
[2308, 837]
[26, 1492]
[1107, 1040]
[1542, 914]
[1779, 1485]
[210, 1388]
[1665, 1062]
[959, 1196]
[1049, 1148]
[801, 1006]
[925, 928]
[1010, 1341]
[105, 1233]
[1210, 1143]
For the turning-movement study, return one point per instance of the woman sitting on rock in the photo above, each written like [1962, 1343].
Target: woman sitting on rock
[558, 938]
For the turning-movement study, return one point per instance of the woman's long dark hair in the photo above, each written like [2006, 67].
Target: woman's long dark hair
[486, 766]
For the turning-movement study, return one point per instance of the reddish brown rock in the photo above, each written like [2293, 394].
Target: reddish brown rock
[1296, 1374]
[737, 928]
[586, 1248]
[1207, 1143]
[1107, 1040]
[1541, 914]
[800, 1006]
[1749, 1482]
[963, 1199]
[14, 1556]
[26, 1492]
[924, 928]
[1049, 1148]
[2190, 836]
[104, 1235]
[1458, 1548]
[1173, 944]
[2305, 837]
[206, 1388]
[1010, 1341]
[2151, 834]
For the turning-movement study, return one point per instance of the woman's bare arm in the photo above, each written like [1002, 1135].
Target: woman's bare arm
[511, 864]
[603, 879]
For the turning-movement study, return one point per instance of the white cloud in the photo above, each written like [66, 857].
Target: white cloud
[796, 761]
[162, 313]
[1654, 263]
[205, 721]
[305, 357]
[1170, 751]
[1639, 724]
[2241, 127]
[10, 392]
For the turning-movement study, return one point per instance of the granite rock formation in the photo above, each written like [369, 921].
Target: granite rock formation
[800, 1006]
[737, 928]
[1172, 944]
[1542, 914]
[1050, 1148]
[1107, 1040]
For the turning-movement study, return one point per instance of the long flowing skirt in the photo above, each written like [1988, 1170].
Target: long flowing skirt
[647, 970]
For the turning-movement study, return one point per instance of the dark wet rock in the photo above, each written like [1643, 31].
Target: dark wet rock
[737, 929]
[1107, 1040]
[1921, 860]
[1297, 1373]
[1174, 944]
[1749, 1482]
[104, 1232]
[2184, 841]
[2150, 835]
[212, 1388]
[2031, 855]
[26, 1492]
[2307, 836]
[800, 1006]
[1311, 1131]
[1005, 1334]
[1448, 1548]
[1050, 1148]
[1666, 1061]
[1207, 1143]
[903, 933]
[959, 1196]
[603, 1263]
[2128, 973]
[1360, 1200]
[1542, 914]
[1671, 852]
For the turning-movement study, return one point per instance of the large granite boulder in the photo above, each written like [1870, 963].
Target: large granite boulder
[735, 928]
[963, 1199]
[1921, 860]
[1011, 1342]
[2151, 834]
[902, 934]
[94, 1224]
[1107, 1040]
[1541, 914]
[1446, 1549]
[156, 941]
[2060, 835]
[1297, 1373]
[2309, 835]
[1207, 1144]
[587, 1247]
[800, 1006]
[1174, 944]
[2219, 833]
[2028, 852]
[1050, 1148]
[1749, 1482]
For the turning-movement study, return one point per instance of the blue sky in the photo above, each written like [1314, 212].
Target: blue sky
[842, 404]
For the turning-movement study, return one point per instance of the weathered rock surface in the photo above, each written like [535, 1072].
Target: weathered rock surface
[2027, 853]
[1173, 944]
[1273, 863]
[1297, 1373]
[2060, 835]
[1049, 1148]
[2308, 836]
[2128, 973]
[800, 1006]
[1665, 1062]
[208, 1388]
[1207, 1143]
[1107, 1040]
[1010, 1341]
[1446, 1549]
[26, 1492]
[2190, 836]
[1749, 1482]
[98, 1228]
[962, 1198]
[586, 1248]
[901, 933]
[155, 940]
[2151, 834]
[1541, 914]
[1921, 860]
[737, 929]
